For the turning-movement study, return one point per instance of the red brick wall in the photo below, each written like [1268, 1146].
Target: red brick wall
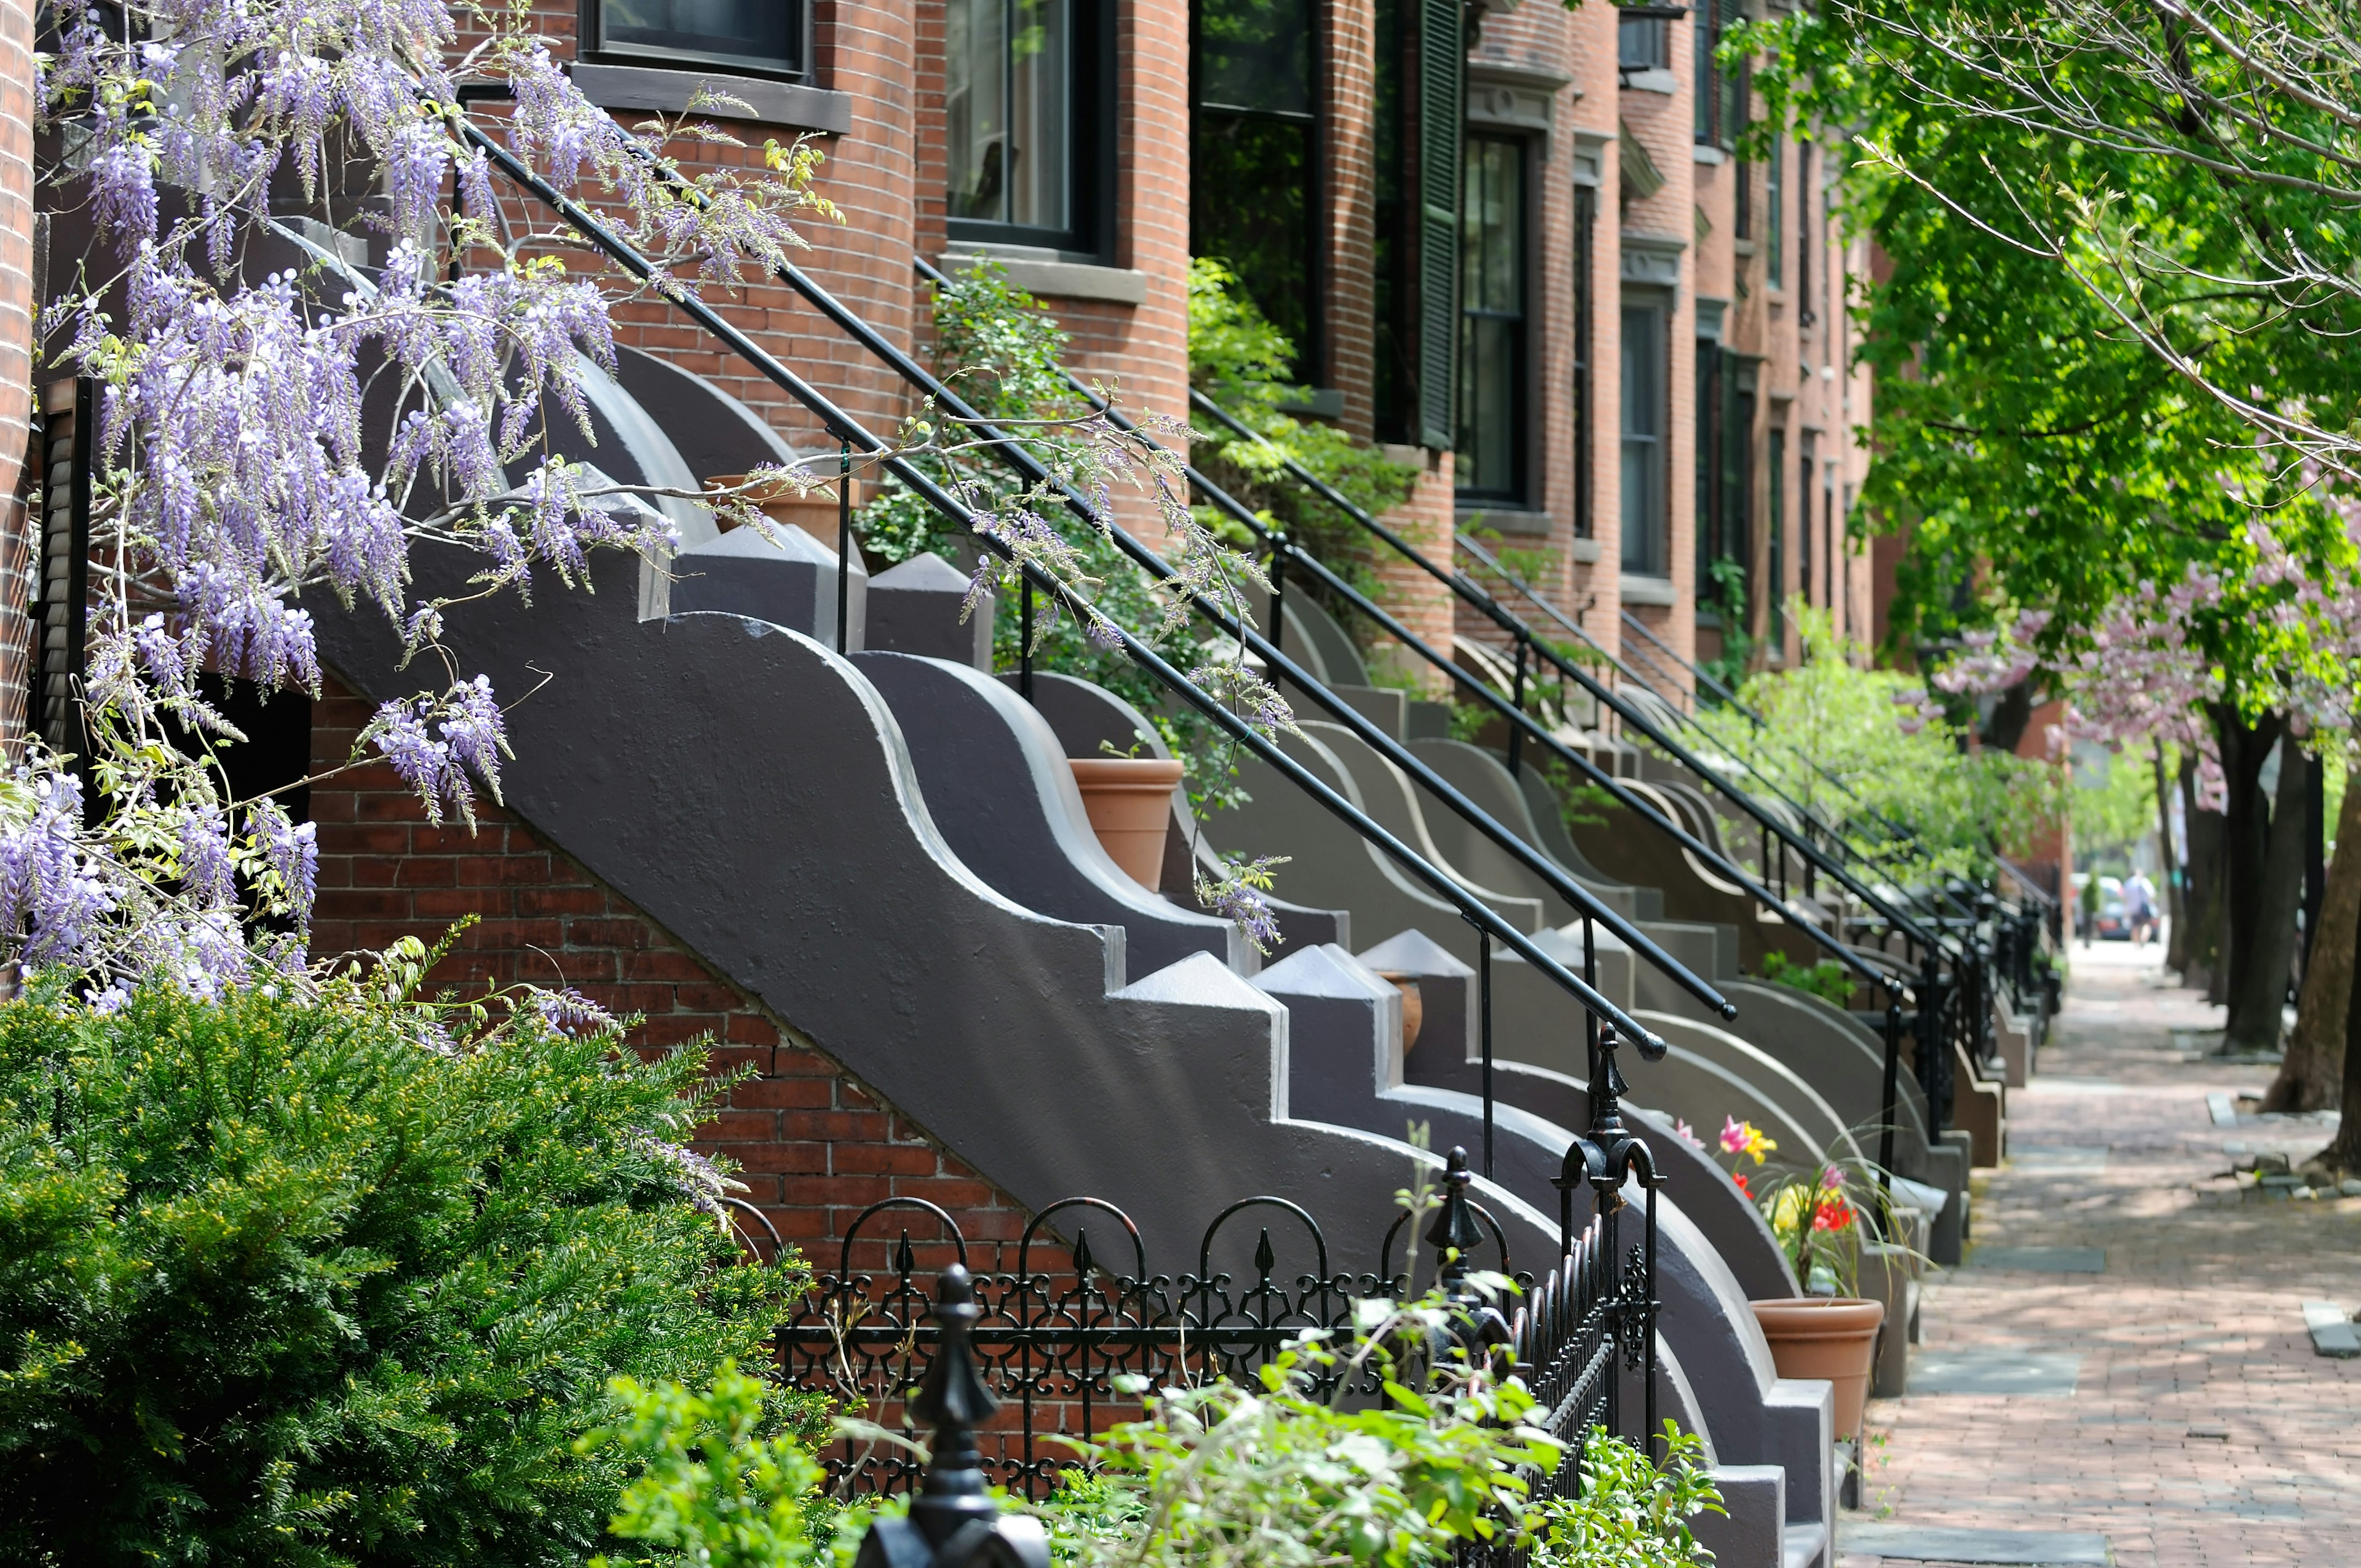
[816, 1146]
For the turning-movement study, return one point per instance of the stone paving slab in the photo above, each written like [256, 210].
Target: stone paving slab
[2040, 1259]
[2203, 1431]
[1924, 1543]
[2049, 1374]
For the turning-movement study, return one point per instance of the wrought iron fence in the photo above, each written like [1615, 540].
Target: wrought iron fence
[1059, 1337]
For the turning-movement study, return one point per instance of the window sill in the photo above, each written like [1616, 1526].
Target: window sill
[1648, 590]
[1660, 81]
[1707, 153]
[1587, 552]
[1505, 520]
[1319, 402]
[1036, 273]
[668, 90]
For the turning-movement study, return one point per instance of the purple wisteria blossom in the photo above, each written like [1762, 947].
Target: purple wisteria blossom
[49, 889]
[205, 867]
[570, 1012]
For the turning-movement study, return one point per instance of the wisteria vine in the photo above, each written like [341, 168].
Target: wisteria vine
[266, 441]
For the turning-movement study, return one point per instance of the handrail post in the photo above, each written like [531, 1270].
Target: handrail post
[1025, 642]
[844, 545]
[1892, 1095]
[1517, 701]
[1933, 1076]
[1278, 553]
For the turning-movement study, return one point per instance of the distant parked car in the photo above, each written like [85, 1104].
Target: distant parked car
[2114, 921]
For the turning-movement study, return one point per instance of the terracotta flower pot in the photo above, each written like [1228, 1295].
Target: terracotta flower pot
[1130, 803]
[812, 511]
[1413, 1005]
[1834, 1337]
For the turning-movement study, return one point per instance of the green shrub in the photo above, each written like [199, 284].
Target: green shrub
[307, 1284]
[1828, 979]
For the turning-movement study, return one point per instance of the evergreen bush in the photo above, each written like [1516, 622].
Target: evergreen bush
[313, 1283]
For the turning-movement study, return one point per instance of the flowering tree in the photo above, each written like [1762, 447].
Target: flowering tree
[265, 443]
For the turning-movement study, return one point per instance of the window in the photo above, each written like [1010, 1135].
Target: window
[1742, 113]
[761, 37]
[1645, 407]
[1708, 528]
[1491, 442]
[1643, 42]
[1720, 95]
[1776, 578]
[1803, 520]
[1774, 226]
[1831, 531]
[1586, 233]
[1421, 79]
[1022, 102]
[1736, 515]
[1254, 158]
[1804, 315]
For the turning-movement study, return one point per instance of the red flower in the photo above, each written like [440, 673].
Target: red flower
[1739, 1178]
[1834, 1213]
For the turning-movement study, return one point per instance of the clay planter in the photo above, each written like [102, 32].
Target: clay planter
[1818, 1336]
[1413, 1005]
[1130, 803]
[812, 511]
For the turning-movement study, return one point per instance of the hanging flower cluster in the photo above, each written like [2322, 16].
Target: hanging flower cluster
[266, 441]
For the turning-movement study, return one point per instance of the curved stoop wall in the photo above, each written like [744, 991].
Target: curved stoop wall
[1795, 1098]
[1485, 780]
[1447, 1055]
[1387, 794]
[751, 791]
[1846, 1064]
[1333, 867]
[998, 787]
[1630, 849]
[1348, 1068]
[1085, 717]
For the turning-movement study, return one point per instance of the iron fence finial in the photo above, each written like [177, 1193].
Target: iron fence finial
[1455, 1234]
[954, 1521]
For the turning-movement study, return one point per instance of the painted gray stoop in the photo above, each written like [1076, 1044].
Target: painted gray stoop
[752, 791]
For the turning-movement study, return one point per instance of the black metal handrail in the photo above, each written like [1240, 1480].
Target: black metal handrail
[1895, 832]
[1286, 551]
[1510, 623]
[1284, 667]
[842, 425]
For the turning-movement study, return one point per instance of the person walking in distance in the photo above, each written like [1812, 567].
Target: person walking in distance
[2139, 906]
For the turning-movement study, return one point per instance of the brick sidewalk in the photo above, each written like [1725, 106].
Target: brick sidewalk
[2194, 1327]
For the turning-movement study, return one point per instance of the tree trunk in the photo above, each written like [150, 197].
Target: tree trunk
[2258, 1004]
[2244, 843]
[2187, 956]
[2314, 1069]
[2344, 1155]
[2173, 901]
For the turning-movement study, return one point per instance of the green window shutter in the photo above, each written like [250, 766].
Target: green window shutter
[1442, 72]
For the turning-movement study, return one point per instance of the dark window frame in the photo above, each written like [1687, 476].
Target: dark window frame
[1776, 530]
[1720, 107]
[1705, 529]
[1808, 468]
[1656, 528]
[1586, 290]
[597, 50]
[1311, 349]
[1090, 115]
[1774, 213]
[1806, 315]
[1520, 485]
